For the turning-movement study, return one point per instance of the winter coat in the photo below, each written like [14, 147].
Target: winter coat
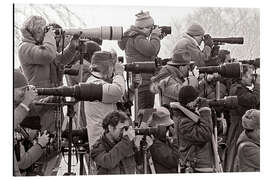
[138, 48]
[248, 154]
[195, 137]
[165, 156]
[114, 158]
[41, 66]
[96, 111]
[169, 81]
[186, 42]
[247, 99]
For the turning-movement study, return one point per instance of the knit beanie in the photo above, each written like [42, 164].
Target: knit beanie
[19, 79]
[187, 94]
[180, 57]
[101, 57]
[251, 119]
[195, 30]
[144, 20]
[32, 122]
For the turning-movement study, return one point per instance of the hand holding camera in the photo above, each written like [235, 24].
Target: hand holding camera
[130, 133]
[119, 68]
[49, 33]
[208, 41]
[75, 40]
[30, 95]
[43, 139]
[156, 31]
[137, 80]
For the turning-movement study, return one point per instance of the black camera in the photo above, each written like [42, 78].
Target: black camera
[71, 72]
[57, 31]
[141, 67]
[229, 40]
[81, 92]
[160, 131]
[228, 70]
[227, 102]
[254, 62]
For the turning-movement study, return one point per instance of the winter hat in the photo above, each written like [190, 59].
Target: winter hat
[160, 117]
[251, 119]
[144, 20]
[101, 57]
[31, 122]
[187, 94]
[180, 57]
[19, 79]
[91, 47]
[195, 30]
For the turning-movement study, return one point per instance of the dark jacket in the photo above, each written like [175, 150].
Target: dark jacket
[247, 99]
[165, 156]
[114, 158]
[248, 155]
[139, 49]
[195, 137]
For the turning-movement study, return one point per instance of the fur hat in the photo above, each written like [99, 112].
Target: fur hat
[195, 30]
[19, 79]
[144, 20]
[180, 57]
[32, 25]
[251, 119]
[160, 117]
[187, 94]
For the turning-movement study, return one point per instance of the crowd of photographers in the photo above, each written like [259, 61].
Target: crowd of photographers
[192, 129]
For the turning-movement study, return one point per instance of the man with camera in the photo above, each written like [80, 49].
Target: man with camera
[40, 60]
[142, 43]
[172, 77]
[164, 150]
[193, 131]
[247, 90]
[191, 40]
[23, 97]
[106, 71]
[113, 152]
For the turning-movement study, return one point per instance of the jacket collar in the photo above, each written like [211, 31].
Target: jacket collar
[191, 39]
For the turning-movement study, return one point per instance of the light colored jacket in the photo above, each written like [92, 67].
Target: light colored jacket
[186, 42]
[96, 111]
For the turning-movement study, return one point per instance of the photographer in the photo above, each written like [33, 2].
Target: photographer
[107, 71]
[142, 43]
[248, 98]
[172, 77]
[30, 146]
[248, 144]
[193, 135]
[164, 150]
[191, 40]
[23, 97]
[40, 61]
[114, 151]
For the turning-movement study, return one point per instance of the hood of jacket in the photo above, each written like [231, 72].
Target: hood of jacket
[250, 137]
[129, 33]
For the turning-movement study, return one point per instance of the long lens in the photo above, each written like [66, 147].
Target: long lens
[141, 67]
[81, 92]
[228, 102]
[229, 70]
[146, 131]
[254, 62]
[229, 40]
[103, 32]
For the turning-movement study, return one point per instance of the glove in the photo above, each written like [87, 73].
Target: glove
[49, 36]
[118, 69]
[75, 41]
[202, 102]
[137, 80]
[208, 40]
[29, 95]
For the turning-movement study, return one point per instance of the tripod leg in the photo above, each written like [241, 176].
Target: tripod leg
[151, 164]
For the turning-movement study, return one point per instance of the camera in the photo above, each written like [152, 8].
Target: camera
[229, 40]
[254, 62]
[228, 70]
[160, 131]
[227, 102]
[101, 33]
[81, 92]
[141, 67]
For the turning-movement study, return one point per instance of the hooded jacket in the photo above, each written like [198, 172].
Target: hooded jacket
[248, 153]
[186, 42]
